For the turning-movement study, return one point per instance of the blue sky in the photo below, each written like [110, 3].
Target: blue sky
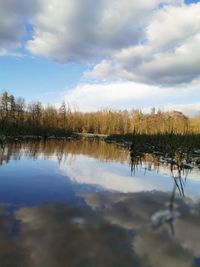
[37, 78]
[52, 51]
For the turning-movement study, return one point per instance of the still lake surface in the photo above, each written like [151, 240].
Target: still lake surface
[76, 203]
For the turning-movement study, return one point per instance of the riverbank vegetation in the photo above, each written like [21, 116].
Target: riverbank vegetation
[19, 118]
[179, 152]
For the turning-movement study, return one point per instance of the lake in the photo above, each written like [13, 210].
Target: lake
[77, 203]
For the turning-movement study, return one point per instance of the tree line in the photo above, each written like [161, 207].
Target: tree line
[20, 118]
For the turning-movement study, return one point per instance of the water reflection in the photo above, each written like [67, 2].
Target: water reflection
[153, 242]
[89, 211]
[85, 163]
[62, 149]
[118, 230]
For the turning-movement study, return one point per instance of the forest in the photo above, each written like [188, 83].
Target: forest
[20, 118]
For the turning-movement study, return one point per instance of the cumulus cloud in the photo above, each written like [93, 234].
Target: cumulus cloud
[87, 30]
[118, 95]
[146, 41]
[13, 18]
[168, 55]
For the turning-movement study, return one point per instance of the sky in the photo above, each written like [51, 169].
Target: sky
[102, 54]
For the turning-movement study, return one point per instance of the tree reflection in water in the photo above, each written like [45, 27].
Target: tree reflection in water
[62, 149]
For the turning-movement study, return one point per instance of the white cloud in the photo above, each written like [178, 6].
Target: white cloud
[180, 23]
[121, 95]
[168, 55]
[113, 95]
[68, 30]
[189, 109]
[13, 18]
[146, 41]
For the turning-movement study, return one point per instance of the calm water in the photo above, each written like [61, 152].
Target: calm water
[76, 203]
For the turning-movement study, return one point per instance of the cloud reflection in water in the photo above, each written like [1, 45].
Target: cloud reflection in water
[114, 176]
[116, 231]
